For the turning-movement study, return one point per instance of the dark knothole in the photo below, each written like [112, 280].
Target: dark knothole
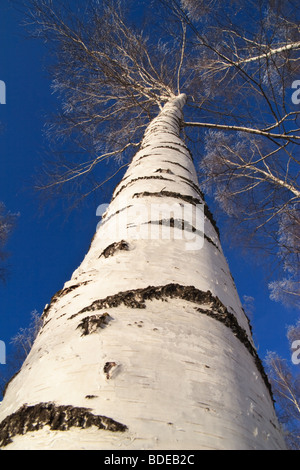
[117, 246]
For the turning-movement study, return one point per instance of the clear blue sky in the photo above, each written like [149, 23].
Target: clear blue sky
[45, 248]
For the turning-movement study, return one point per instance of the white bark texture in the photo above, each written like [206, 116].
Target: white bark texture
[147, 346]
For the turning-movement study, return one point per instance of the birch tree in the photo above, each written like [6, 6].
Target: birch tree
[147, 345]
[239, 67]
[286, 387]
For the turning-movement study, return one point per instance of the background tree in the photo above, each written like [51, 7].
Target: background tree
[7, 222]
[21, 345]
[286, 388]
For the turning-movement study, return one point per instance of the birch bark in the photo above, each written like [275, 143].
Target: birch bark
[147, 346]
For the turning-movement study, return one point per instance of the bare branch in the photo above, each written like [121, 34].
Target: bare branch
[242, 129]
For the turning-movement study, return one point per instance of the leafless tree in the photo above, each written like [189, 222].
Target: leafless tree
[7, 222]
[25, 337]
[237, 63]
[111, 82]
[286, 388]
[248, 64]
[21, 345]
[287, 290]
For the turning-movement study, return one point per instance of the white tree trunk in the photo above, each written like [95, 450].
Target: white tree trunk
[147, 346]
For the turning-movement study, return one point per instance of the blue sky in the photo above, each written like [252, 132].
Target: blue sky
[45, 247]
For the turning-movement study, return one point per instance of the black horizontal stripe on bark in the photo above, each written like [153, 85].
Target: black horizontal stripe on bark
[58, 295]
[171, 144]
[216, 309]
[182, 225]
[106, 219]
[171, 147]
[178, 164]
[58, 418]
[163, 178]
[140, 178]
[184, 197]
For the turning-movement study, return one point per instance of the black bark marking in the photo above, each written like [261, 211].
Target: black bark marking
[106, 219]
[193, 185]
[58, 296]
[159, 130]
[185, 197]
[176, 223]
[178, 164]
[216, 309]
[9, 381]
[110, 250]
[164, 170]
[186, 180]
[108, 367]
[210, 217]
[160, 170]
[120, 182]
[137, 179]
[231, 322]
[136, 298]
[170, 147]
[58, 418]
[138, 161]
[211, 241]
[180, 144]
[91, 324]
[182, 225]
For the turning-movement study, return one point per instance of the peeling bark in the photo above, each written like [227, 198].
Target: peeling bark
[93, 323]
[136, 298]
[58, 418]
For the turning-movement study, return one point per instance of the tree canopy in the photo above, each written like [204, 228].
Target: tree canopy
[115, 64]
